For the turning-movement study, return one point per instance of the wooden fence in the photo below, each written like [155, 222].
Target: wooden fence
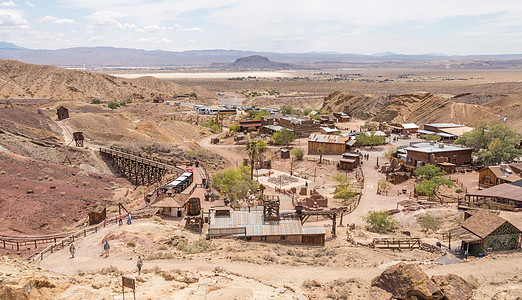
[397, 243]
[67, 240]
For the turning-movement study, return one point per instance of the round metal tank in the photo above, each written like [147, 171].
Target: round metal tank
[193, 206]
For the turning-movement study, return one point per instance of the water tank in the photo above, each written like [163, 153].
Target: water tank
[193, 206]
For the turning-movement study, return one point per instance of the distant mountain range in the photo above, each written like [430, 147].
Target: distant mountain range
[95, 57]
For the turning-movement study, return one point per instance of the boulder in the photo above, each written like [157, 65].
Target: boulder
[377, 293]
[453, 287]
[406, 280]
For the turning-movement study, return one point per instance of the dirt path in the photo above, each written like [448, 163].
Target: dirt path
[229, 152]
[370, 200]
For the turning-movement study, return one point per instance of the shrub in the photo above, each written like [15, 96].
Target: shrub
[160, 254]
[131, 243]
[219, 269]
[429, 222]
[234, 127]
[198, 246]
[95, 101]
[459, 190]
[298, 153]
[113, 105]
[380, 221]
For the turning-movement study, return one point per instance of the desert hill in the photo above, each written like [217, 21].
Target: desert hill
[50, 82]
[424, 107]
[258, 62]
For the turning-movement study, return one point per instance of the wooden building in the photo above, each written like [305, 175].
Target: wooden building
[62, 112]
[419, 154]
[485, 232]
[172, 205]
[333, 144]
[349, 161]
[405, 128]
[493, 175]
[97, 215]
[341, 117]
[249, 125]
[255, 224]
[505, 196]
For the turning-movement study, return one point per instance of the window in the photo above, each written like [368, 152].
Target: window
[263, 238]
[283, 237]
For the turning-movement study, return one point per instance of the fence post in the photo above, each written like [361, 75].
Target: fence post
[35, 244]
[17, 246]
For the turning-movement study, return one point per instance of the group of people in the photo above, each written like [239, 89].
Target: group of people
[129, 220]
[105, 253]
[366, 156]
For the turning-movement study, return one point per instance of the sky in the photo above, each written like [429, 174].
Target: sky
[456, 27]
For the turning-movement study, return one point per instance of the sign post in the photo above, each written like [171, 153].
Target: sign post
[130, 283]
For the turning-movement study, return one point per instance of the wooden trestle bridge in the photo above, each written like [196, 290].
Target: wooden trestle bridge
[138, 169]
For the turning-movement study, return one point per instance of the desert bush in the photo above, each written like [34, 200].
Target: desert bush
[380, 221]
[160, 254]
[131, 243]
[234, 127]
[110, 270]
[198, 246]
[298, 153]
[113, 105]
[219, 269]
[95, 101]
[473, 282]
[459, 190]
[429, 222]
[269, 258]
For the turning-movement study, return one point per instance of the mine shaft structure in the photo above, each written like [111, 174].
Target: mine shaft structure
[137, 169]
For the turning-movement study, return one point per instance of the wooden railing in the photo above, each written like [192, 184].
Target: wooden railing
[67, 240]
[397, 242]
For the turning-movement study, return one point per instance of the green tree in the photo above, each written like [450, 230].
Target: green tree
[494, 142]
[370, 139]
[298, 153]
[254, 150]
[432, 180]
[235, 183]
[283, 137]
[234, 127]
[429, 171]
[343, 189]
[193, 95]
[380, 221]
[321, 150]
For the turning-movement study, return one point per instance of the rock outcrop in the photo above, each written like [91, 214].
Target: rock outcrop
[453, 287]
[408, 281]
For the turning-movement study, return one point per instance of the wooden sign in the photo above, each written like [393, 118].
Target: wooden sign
[130, 283]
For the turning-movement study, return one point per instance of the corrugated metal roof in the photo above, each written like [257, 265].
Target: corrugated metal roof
[443, 125]
[255, 225]
[314, 230]
[327, 138]
[347, 160]
[422, 131]
[409, 126]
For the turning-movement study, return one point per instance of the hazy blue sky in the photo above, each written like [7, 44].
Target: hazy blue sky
[362, 26]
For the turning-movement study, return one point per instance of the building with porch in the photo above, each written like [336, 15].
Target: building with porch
[332, 144]
[493, 175]
[419, 154]
[483, 232]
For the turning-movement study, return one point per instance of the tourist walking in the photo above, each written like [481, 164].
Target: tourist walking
[106, 248]
[72, 249]
[129, 219]
[139, 264]
[120, 222]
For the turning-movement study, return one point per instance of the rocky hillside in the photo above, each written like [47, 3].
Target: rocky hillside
[426, 107]
[19, 79]
[255, 62]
